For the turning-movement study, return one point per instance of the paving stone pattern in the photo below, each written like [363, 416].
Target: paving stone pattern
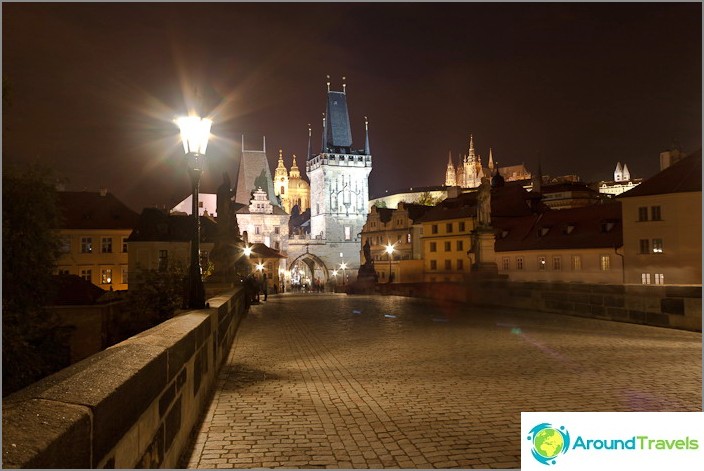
[335, 381]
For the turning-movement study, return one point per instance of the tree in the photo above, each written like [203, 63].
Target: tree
[31, 340]
[427, 199]
[155, 295]
[380, 204]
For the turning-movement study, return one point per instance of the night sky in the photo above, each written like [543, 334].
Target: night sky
[94, 88]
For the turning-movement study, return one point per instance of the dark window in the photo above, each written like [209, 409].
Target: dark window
[644, 246]
[448, 227]
[655, 213]
[433, 265]
[460, 245]
[643, 213]
[448, 246]
[448, 264]
[462, 226]
[86, 245]
[460, 265]
[106, 245]
[163, 260]
[434, 229]
[433, 247]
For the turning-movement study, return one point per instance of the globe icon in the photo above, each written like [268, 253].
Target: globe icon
[548, 443]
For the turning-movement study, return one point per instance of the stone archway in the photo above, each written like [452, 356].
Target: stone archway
[306, 268]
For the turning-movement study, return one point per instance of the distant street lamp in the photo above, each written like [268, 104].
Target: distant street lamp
[343, 267]
[390, 252]
[195, 132]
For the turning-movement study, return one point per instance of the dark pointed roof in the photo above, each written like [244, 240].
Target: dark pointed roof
[595, 226]
[681, 177]
[156, 225]
[72, 290]
[260, 250]
[339, 133]
[94, 210]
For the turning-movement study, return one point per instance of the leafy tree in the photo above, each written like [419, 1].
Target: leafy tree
[380, 204]
[427, 199]
[155, 295]
[31, 340]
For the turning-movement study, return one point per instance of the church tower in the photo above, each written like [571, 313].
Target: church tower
[450, 174]
[281, 182]
[618, 173]
[339, 176]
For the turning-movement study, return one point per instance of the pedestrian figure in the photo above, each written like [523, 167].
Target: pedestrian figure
[265, 287]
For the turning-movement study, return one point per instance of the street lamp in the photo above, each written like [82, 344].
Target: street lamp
[343, 266]
[195, 132]
[390, 252]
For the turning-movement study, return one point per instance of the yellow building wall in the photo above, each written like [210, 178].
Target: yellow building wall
[452, 264]
[74, 261]
[559, 265]
[680, 230]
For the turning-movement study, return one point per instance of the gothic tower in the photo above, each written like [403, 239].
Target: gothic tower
[450, 174]
[339, 175]
[618, 173]
[281, 181]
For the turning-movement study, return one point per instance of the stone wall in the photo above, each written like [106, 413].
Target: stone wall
[664, 306]
[132, 405]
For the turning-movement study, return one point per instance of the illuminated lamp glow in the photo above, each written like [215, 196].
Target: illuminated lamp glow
[195, 132]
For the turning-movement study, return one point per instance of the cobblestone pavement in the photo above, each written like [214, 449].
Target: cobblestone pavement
[337, 381]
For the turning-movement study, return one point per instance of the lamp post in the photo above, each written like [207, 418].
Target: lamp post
[343, 266]
[390, 252]
[194, 135]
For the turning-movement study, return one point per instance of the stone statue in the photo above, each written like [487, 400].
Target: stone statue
[484, 203]
[367, 252]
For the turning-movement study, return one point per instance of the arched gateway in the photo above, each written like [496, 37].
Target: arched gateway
[306, 269]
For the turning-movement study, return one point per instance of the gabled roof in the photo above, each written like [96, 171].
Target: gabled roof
[277, 211]
[253, 173]
[260, 250]
[155, 225]
[92, 210]
[72, 290]
[506, 201]
[681, 177]
[595, 226]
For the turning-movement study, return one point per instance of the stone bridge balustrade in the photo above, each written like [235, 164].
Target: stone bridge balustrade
[132, 405]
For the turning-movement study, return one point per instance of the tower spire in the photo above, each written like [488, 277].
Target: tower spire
[491, 160]
[308, 154]
[367, 149]
[344, 85]
[328, 82]
[325, 134]
[471, 148]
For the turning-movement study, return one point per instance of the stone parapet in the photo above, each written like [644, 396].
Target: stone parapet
[132, 405]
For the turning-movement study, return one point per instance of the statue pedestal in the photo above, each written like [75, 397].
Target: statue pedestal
[485, 256]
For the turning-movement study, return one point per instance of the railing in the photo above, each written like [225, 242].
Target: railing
[132, 405]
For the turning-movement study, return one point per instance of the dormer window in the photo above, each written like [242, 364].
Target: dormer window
[504, 234]
[569, 228]
[544, 231]
[607, 226]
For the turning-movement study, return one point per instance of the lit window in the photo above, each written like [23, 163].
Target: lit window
[643, 213]
[657, 245]
[106, 276]
[408, 238]
[644, 246]
[645, 278]
[86, 245]
[655, 213]
[605, 262]
[557, 263]
[106, 245]
[576, 262]
[433, 247]
[519, 263]
[433, 265]
[659, 278]
[348, 233]
[542, 263]
[506, 263]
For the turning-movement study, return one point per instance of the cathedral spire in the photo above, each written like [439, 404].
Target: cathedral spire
[626, 173]
[344, 85]
[618, 173]
[450, 174]
[328, 82]
[367, 150]
[491, 160]
[471, 148]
